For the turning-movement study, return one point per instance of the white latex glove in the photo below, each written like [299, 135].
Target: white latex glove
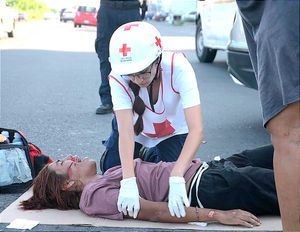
[177, 196]
[128, 201]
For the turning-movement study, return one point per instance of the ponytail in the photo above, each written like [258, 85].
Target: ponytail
[138, 104]
[138, 107]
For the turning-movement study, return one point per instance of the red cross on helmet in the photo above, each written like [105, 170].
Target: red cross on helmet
[133, 47]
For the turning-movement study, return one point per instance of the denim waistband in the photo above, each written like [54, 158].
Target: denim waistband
[120, 4]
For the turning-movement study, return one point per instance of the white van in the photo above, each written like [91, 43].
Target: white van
[214, 22]
[8, 18]
[219, 27]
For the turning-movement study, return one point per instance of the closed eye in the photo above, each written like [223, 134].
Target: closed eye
[59, 162]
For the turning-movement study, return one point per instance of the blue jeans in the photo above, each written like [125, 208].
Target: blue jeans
[167, 150]
[108, 20]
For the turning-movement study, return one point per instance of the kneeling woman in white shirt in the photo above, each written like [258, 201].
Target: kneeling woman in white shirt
[156, 103]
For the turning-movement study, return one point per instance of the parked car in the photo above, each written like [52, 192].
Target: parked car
[149, 15]
[190, 16]
[219, 27]
[8, 18]
[160, 16]
[238, 59]
[22, 16]
[85, 15]
[67, 15]
[213, 24]
[51, 16]
[61, 13]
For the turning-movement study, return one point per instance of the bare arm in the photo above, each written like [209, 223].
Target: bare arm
[193, 116]
[126, 141]
[159, 212]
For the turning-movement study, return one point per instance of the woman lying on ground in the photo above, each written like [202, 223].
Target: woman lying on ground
[221, 191]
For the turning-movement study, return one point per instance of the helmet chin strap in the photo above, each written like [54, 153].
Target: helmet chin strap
[151, 84]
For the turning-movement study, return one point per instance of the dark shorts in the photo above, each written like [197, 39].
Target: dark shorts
[272, 33]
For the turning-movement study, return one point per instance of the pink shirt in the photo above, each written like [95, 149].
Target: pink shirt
[99, 198]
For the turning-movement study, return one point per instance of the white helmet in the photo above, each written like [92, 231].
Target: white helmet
[133, 47]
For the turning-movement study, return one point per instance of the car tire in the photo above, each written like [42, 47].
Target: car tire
[204, 54]
[75, 25]
[79, 25]
[10, 34]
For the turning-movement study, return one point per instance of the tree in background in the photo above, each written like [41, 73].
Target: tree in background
[33, 8]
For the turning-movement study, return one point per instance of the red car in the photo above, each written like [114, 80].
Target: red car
[85, 15]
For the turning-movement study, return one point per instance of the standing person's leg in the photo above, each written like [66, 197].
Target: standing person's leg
[278, 69]
[105, 29]
[143, 14]
[285, 134]
[274, 52]
[108, 20]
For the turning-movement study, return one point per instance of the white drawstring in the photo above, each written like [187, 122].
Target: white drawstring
[196, 180]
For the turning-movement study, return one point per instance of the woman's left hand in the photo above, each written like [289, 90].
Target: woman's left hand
[237, 217]
[177, 196]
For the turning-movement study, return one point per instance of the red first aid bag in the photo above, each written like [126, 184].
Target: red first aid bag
[20, 161]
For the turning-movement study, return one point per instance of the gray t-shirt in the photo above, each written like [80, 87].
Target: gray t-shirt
[99, 198]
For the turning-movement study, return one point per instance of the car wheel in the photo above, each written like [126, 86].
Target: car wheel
[10, 34]
[204, 54]
[79, 25]
[75, 25]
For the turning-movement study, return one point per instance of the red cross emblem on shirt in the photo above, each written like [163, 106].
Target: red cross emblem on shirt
[127, 27]
[158, 41]
[161, 129]
[124, 49]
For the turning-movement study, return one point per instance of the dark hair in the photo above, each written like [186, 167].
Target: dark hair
[48, 193]
[138, 104]
[138, 107]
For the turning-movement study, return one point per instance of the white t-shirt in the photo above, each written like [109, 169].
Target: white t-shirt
[178, 90]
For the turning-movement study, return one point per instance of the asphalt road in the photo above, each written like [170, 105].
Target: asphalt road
[49, 90]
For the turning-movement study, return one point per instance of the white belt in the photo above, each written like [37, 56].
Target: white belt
[196, 180]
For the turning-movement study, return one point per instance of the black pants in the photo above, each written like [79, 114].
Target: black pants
[242, 181]
[108, 20]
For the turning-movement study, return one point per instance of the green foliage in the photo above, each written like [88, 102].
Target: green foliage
[33, 8]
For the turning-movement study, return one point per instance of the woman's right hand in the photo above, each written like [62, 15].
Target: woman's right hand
[129, 199]
[237, 217]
